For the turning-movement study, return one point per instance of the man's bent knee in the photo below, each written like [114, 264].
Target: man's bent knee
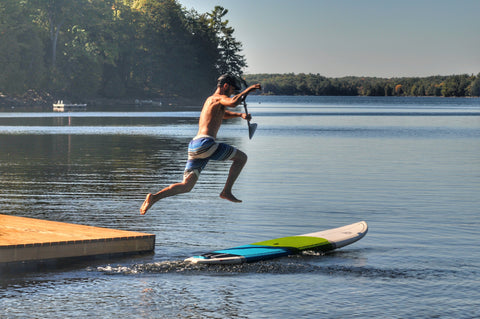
[188, 187]
[189, 182]
[240, 156]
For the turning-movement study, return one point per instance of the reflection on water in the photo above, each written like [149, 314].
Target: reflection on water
[55, 174]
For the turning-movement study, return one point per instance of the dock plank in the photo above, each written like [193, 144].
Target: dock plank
[29, 239]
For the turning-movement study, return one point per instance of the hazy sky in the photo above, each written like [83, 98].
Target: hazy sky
[384, 38]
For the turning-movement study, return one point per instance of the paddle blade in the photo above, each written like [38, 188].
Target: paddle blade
[251, 129]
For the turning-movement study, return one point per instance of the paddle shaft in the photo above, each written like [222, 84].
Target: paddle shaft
[246, 111]
[251, 127]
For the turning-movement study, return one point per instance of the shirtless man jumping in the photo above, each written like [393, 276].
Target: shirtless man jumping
[203, 147]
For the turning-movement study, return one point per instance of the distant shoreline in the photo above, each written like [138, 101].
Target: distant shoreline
[463, 85]
[45, 103]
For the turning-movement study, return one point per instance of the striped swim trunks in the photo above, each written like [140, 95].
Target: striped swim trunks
[204, 148]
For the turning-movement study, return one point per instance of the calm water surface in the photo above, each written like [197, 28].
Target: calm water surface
[410, 167]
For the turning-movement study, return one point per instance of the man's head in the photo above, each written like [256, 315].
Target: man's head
[230, 80]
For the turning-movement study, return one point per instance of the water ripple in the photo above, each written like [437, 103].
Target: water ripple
[285, 266]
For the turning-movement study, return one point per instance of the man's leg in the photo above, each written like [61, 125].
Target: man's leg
[179, 188]
[239, 161]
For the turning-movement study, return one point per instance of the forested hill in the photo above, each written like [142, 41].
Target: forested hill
[119, 49]
[315, 84]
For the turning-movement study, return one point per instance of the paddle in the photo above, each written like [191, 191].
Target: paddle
[251, 126]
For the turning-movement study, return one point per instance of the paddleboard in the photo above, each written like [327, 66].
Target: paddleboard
[325, 240]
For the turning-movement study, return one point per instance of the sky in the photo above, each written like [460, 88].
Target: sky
[335, 38]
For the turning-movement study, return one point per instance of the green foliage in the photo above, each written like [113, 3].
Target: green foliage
[475, 88]
[229, 60]
[315, 84]
[21, 60]
[114, 48]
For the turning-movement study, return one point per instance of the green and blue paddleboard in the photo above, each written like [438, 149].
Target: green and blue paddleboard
[325, 240]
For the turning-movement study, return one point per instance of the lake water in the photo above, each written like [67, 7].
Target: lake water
[410, 167]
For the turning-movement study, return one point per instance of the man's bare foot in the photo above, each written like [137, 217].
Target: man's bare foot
[229, 197]
[146, 204]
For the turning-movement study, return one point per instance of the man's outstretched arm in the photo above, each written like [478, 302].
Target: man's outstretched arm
[237, 99]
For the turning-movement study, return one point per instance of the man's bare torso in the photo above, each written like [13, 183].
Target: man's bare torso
[211, 116]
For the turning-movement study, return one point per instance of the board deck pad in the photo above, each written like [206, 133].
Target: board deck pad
[320, 241]
[295, 242]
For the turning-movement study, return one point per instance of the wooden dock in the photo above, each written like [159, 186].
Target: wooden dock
[27, 239]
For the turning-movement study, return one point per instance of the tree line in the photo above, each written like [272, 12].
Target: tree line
[114, 48]
[314, 84]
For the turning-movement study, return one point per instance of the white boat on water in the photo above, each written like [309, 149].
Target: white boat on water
[60, 106]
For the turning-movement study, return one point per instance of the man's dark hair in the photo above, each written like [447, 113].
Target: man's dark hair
[229, 79]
